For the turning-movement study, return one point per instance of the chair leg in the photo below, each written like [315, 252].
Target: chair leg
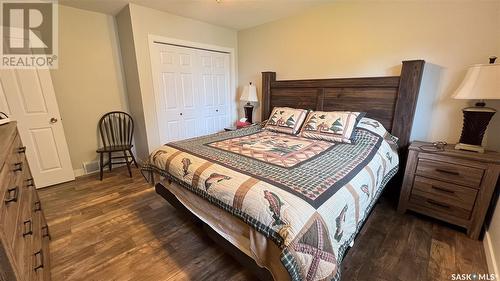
[101, 164]
[109, 156]
[128, 163]
[133, 158]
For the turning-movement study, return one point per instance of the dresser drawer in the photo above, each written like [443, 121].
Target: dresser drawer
[443, 192]
[434, 206]
[13, 165]
[46, 255]
[40, 256]
[43, 273]
[450, 172]
[6, 179]
[10, 175]
[41, 262]
[23, 237]
[45, 229]
[11, 200]
[15, 156]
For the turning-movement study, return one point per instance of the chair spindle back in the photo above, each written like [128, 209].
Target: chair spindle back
[116, 128]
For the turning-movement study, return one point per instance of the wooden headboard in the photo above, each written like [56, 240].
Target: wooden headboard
[390, 100]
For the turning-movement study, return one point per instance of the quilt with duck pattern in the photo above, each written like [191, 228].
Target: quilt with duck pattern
[308, 196]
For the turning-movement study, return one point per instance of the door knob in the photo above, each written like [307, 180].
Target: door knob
[53, 120]
[181, 113]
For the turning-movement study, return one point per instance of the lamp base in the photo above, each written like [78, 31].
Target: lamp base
[476, 120]
[248, 112]
[469, 147]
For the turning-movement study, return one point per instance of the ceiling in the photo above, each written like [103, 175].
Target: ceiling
[235, 14]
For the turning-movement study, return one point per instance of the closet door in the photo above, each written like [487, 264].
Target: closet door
[177, 105]
[191, 91]
[215, 90]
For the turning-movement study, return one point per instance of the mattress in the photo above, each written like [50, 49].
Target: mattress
[308, 197]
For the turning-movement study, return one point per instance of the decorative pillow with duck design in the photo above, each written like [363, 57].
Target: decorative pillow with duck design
[286, 120]
[335, 126]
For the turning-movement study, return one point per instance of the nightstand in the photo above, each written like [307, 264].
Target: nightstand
[451, 185]
[234, 128]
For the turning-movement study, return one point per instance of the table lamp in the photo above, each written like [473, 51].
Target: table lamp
[481, 82]
[249, 95]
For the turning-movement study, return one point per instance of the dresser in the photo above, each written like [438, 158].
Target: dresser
[451, 185]
[24, 234]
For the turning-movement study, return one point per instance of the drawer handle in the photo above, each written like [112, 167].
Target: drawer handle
[45, 232]
[38, 260]
[30, 182]
[12, 195]
[448, 172]
[437, 204]
[28, 228]
[21, 149]
[18, 167]
[37, 206]
[442, 189]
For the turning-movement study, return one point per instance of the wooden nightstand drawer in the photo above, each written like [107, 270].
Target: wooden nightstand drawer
[450, 172]
[434, 207]
[443, 192]
[448, 193]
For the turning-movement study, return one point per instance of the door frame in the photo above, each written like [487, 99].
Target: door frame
[233, 91]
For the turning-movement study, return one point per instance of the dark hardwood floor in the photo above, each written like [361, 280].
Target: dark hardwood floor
[120, 229]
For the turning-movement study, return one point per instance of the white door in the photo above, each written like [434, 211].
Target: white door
[28, 96]
[175, 83]
[215, 90]
[191, 91]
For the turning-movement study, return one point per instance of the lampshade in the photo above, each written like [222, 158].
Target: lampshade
[249, 93]
[481, 82]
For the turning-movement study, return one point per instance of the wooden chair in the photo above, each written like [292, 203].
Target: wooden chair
[117, 130]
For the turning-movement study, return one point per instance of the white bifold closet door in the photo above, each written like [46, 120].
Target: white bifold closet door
[191, 91]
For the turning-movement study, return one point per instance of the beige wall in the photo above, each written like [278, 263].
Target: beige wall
[89, 79]
[366, 39]
[146, 21]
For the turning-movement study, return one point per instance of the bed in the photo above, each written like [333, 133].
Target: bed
[285, 206]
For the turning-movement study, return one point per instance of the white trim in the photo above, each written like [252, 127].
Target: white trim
[490, 255]
[79, 172]
[170, 40]
[232, 84]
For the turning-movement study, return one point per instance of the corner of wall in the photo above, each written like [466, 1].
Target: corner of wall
[129, 60]
[425, 103]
